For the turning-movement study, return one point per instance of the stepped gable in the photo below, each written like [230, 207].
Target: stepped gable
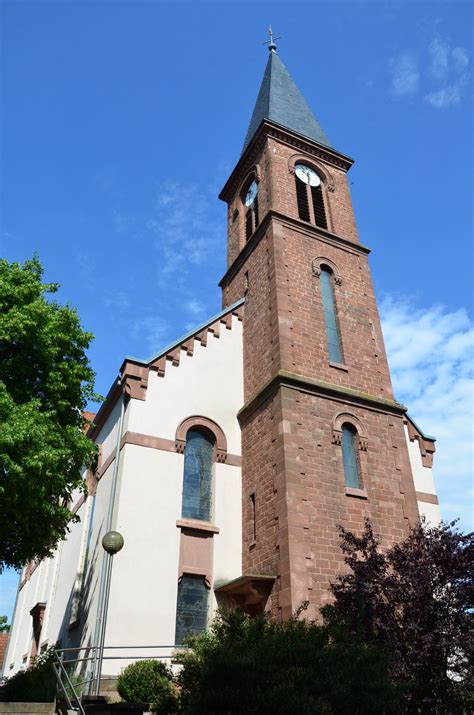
[134, 371]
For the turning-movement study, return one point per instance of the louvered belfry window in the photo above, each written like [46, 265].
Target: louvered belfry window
[318, 206]
[302, 200]
[309, 196]
[251, 202]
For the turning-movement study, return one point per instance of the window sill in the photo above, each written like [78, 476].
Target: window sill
[358, 493]
[252, 544]
[339, 366]
[197, 525]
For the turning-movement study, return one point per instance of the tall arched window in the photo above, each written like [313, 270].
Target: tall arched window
[197, 479]
[349, 456]
[309, 196]
[330, 319]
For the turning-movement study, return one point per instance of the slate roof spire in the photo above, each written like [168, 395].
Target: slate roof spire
[280, 101]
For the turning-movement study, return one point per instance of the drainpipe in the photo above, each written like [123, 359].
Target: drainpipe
[99, 633]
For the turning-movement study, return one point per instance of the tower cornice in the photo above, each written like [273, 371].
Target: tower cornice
[284, 135]
[332, 239]
[345, 395]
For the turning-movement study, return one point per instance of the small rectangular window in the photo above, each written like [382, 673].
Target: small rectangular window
[253, 522]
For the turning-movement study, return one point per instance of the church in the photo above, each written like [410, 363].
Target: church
[228, 459]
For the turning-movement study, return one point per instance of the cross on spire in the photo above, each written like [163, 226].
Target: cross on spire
[271, 42]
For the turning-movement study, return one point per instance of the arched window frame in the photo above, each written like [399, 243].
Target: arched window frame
[318, 265]
[327, 184]
[361, 445]
[251, 215]
[214, 433]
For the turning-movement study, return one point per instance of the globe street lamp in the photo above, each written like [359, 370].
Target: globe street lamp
[112, 543]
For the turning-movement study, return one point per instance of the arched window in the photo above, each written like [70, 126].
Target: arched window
[250, 199]
[191, 607]
[349, 456]
[309, 196]
[197, 479]
[330, 318]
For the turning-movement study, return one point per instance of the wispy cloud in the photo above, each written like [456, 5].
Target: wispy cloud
[439, 53]
[431, 358]
[116, 299]
[184, 227]
[153, 330]
[449, 66]
[187, 232]
[195, 307]
[405, 75]
[440, 71]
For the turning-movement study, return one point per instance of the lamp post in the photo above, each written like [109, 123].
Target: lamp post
[112, 543]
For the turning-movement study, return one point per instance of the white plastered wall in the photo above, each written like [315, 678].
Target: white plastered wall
[52, 582]
[144, 578]
[424, 482]
[145, 573]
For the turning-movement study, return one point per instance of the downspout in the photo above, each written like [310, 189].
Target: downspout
[106, 566]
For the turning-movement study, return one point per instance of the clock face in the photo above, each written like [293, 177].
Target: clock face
[307, 175]
[251, 193]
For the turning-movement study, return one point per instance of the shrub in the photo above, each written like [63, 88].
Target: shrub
[35, 685]
[148, 681]
[255, 666]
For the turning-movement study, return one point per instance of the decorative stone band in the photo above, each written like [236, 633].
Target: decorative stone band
[323, 389]
[332, 239]
[427, 498]
[166, 445]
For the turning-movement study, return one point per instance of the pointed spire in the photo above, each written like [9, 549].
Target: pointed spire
[280, 101]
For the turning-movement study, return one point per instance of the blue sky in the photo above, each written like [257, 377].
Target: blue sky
[122, 120]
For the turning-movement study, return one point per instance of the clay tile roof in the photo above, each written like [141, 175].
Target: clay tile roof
[280, 101]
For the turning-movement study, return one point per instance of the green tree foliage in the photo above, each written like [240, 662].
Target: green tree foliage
[35, 685]
[415, 601]
[245, 665]
[45, 383]
[149, 682]
[4, 626]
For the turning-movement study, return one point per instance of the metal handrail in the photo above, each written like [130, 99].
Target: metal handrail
[60, 665]
[59, 671]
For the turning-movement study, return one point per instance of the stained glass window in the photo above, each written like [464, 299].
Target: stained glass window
[332, 332]
[197, 479]
[191, 607]
[349, 456]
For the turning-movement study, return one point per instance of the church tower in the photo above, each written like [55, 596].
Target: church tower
[323, 440]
